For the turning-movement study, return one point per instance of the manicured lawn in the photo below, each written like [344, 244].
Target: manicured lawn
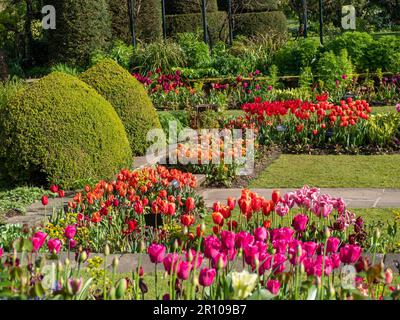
[331, 171]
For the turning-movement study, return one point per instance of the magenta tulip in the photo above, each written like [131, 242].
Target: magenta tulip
[273, 286]
[156, 253]
[207, 276]
[300, 222]
[350, 253]
[54, 245]
[70, 232]
[332, 245]
[260, 234]
[171, 263]
[184, 270]
[38, 240]
[228, 239]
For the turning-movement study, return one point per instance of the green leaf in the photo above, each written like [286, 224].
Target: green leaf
[262, 294]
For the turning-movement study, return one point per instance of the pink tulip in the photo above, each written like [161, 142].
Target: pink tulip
[279, 263]
[350, 253]
[207, 276]
[156, 253]
[300, 222]
[243, 239]
[199, 258]
[310, 248]
[332, 245]
[219, 261]
[260, 234]
[335, 260]
[388, 276]
[265, 262]
[171, 262]
[38, 240]
[273, 286]
[228, 239]
[251, 252]
[184, 270]
[280, 246]
[212, 246]
[72, 243]
[1, 252]
[70, 232]
[54, 245]
[282, 209]
[282, 234]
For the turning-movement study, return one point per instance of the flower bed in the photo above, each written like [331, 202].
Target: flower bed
[307, 259]
[300, 126]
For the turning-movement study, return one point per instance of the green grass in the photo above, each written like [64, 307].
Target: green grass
[384, 109]
[331, 171]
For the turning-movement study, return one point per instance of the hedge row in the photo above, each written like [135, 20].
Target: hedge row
[59, 130]
[217, 24]
[189, 6]
[249, 24]
[81, 28]
[148, 23]
[243, 6]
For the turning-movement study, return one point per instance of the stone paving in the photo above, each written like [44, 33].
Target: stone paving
[355, 198]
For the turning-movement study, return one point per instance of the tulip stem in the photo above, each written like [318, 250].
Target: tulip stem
[155, 279]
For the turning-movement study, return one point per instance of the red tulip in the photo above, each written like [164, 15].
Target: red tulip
[218, 218]
[189, 204]
[54, 188]
[276, 196]
[61, 193]
[45, 200]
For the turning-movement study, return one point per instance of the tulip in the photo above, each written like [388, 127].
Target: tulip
[54, 245]
[189, 204]
[156, 253]
[350, 253]
[187, 220]
[61, 193]
[276, 196]
[199, 258]
[1, 252]
[69, 232]
[228, 239]
[332, 245]
[38, 240]
[243, 239]
[212, 245]
[243, 284]
[219, 261]
[184, 270]
[171, 208]
[300, 222]
[171, 262]
[45, 200]
[207, 276]
[231, 203]
[218, 218]
[138, 207]
[388, 276]
[260, 234]
[281, 209]
[54, 188]
[74, 286]
[273, 286]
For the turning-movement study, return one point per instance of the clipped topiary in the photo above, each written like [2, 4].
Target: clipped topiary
[148, 20]
[129, 99]
[59, 130]
[242, 6]
[189, 6]
[81, 28]
[217, 24]
[249, 24]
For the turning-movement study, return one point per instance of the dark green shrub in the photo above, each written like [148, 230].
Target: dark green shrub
[296, 55]
[119, 51]
[59, 130]
[241, 6]
[383, 53]
[196, 50]
[217, 24]
[249, 24]
[189, 6]
[82, 27]
[357, 45]
[148, 20]
[128, 97]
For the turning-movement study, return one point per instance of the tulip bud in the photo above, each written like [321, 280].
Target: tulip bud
[327, 233]
[240, 253]
[220, 263]
[299, 251]
[302, 268]
[60, 266]
[195, 281]
[112, 294]
[83, 256]
[202, 227]
[67, 263]
[24, 281]
[115, 263]
[377, 234]
[142, 246]
[185, 230]
[122, 285]
[176, 245]
[106, 250]
[190, 256]
[74, 286]
[332, 291]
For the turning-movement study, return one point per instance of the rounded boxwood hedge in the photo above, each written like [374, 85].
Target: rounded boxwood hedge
[248, 24]
[189, 6]
[217, 24]
[59, 130]
[128, 97]
[242, 6]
